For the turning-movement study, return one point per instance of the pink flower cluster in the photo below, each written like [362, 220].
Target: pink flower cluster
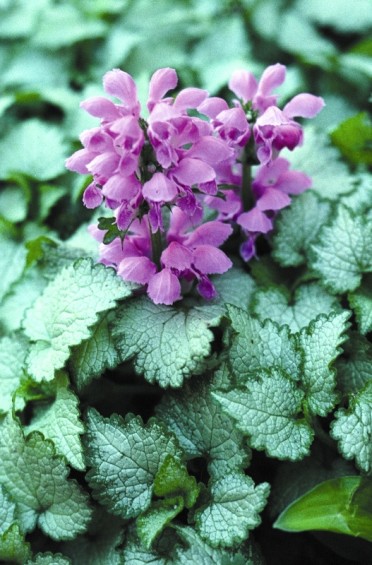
[159, 175]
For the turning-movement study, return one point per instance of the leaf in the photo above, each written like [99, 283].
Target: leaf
[65, 25]
[13, 204]
[49, 559]
[321, 161]
[13, 546]
[233, 510]
[337, 15]
[12, 263]
[344, 251]
[62, 315]
[125, 456]
[339, 505]
[361, 302]
[33, 148]
[353, 429]
[267, 410]
[7, 512]
[59, 421]
[94, 355]
[235, 287]
[354, 370]
[100, 544]
[353, 137]
[260, 346]
[173, 479]
[297, 227]
[320, 343]
[297, 312]
[153, 521]
[168, 344]
[12, 356]
[21, 296]
[36, 480]
[203, 430]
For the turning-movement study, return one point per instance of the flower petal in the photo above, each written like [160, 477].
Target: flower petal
[176, 256]
[273, 199]
[211, 107]
[121, 85]
[243, 84]
[189, 98]
[164, 288]
[210, 150]
[211, 233]
[304, 105]
[159, 189]
[255, 221]
[193, 171]
[209, 260]
[137, 269]
[92, 196]
[100, 107]
[272, 77]
[161, 81]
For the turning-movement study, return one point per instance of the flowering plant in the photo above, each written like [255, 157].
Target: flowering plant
[181, 161]
[186, 309]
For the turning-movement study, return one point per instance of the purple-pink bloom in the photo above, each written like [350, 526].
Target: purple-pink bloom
[246, 87]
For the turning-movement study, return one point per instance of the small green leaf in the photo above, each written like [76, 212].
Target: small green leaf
[167, 343]
[353, 429]
[62, 316]
[59, 421]
[203, 430]
[297, 312]
[320, 343]
[153, 521]
[13, 546]
[341, 505]
[361, 302]
[36, 479]
[344, 251]
[36, 248]
[233, 510]
[90, 359]
[267, 410]
[297, 227]
[125, 456]
[173, 479]
[353, 137]
[260, 346]
[33, 148]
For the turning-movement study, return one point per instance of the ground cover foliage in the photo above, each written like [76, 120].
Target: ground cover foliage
[206, 431]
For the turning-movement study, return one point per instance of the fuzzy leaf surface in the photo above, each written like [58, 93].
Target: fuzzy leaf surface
[12, 263]
[361, 302]
[37, 482]
[7, 512]
[258, 346]
[344, 251]
[59, 421]
[297, 227]
[354, 370]
[308, 302]
[13, 352]
[124, 456]
[62, 316]
[320, 343]
[168, 344]
[203, 430]
[13, 546]
[353, 429]
[267, 410]
[90, 359]
[233, 510]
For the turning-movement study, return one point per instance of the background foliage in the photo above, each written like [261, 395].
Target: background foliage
[315, 288]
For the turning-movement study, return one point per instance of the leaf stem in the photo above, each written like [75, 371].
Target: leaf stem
[157, 247]
[246, 188]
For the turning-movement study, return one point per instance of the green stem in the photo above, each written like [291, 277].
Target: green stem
[156, 247]
[246, 188]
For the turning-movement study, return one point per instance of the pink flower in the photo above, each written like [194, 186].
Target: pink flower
[246, 87]
[275, 129]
